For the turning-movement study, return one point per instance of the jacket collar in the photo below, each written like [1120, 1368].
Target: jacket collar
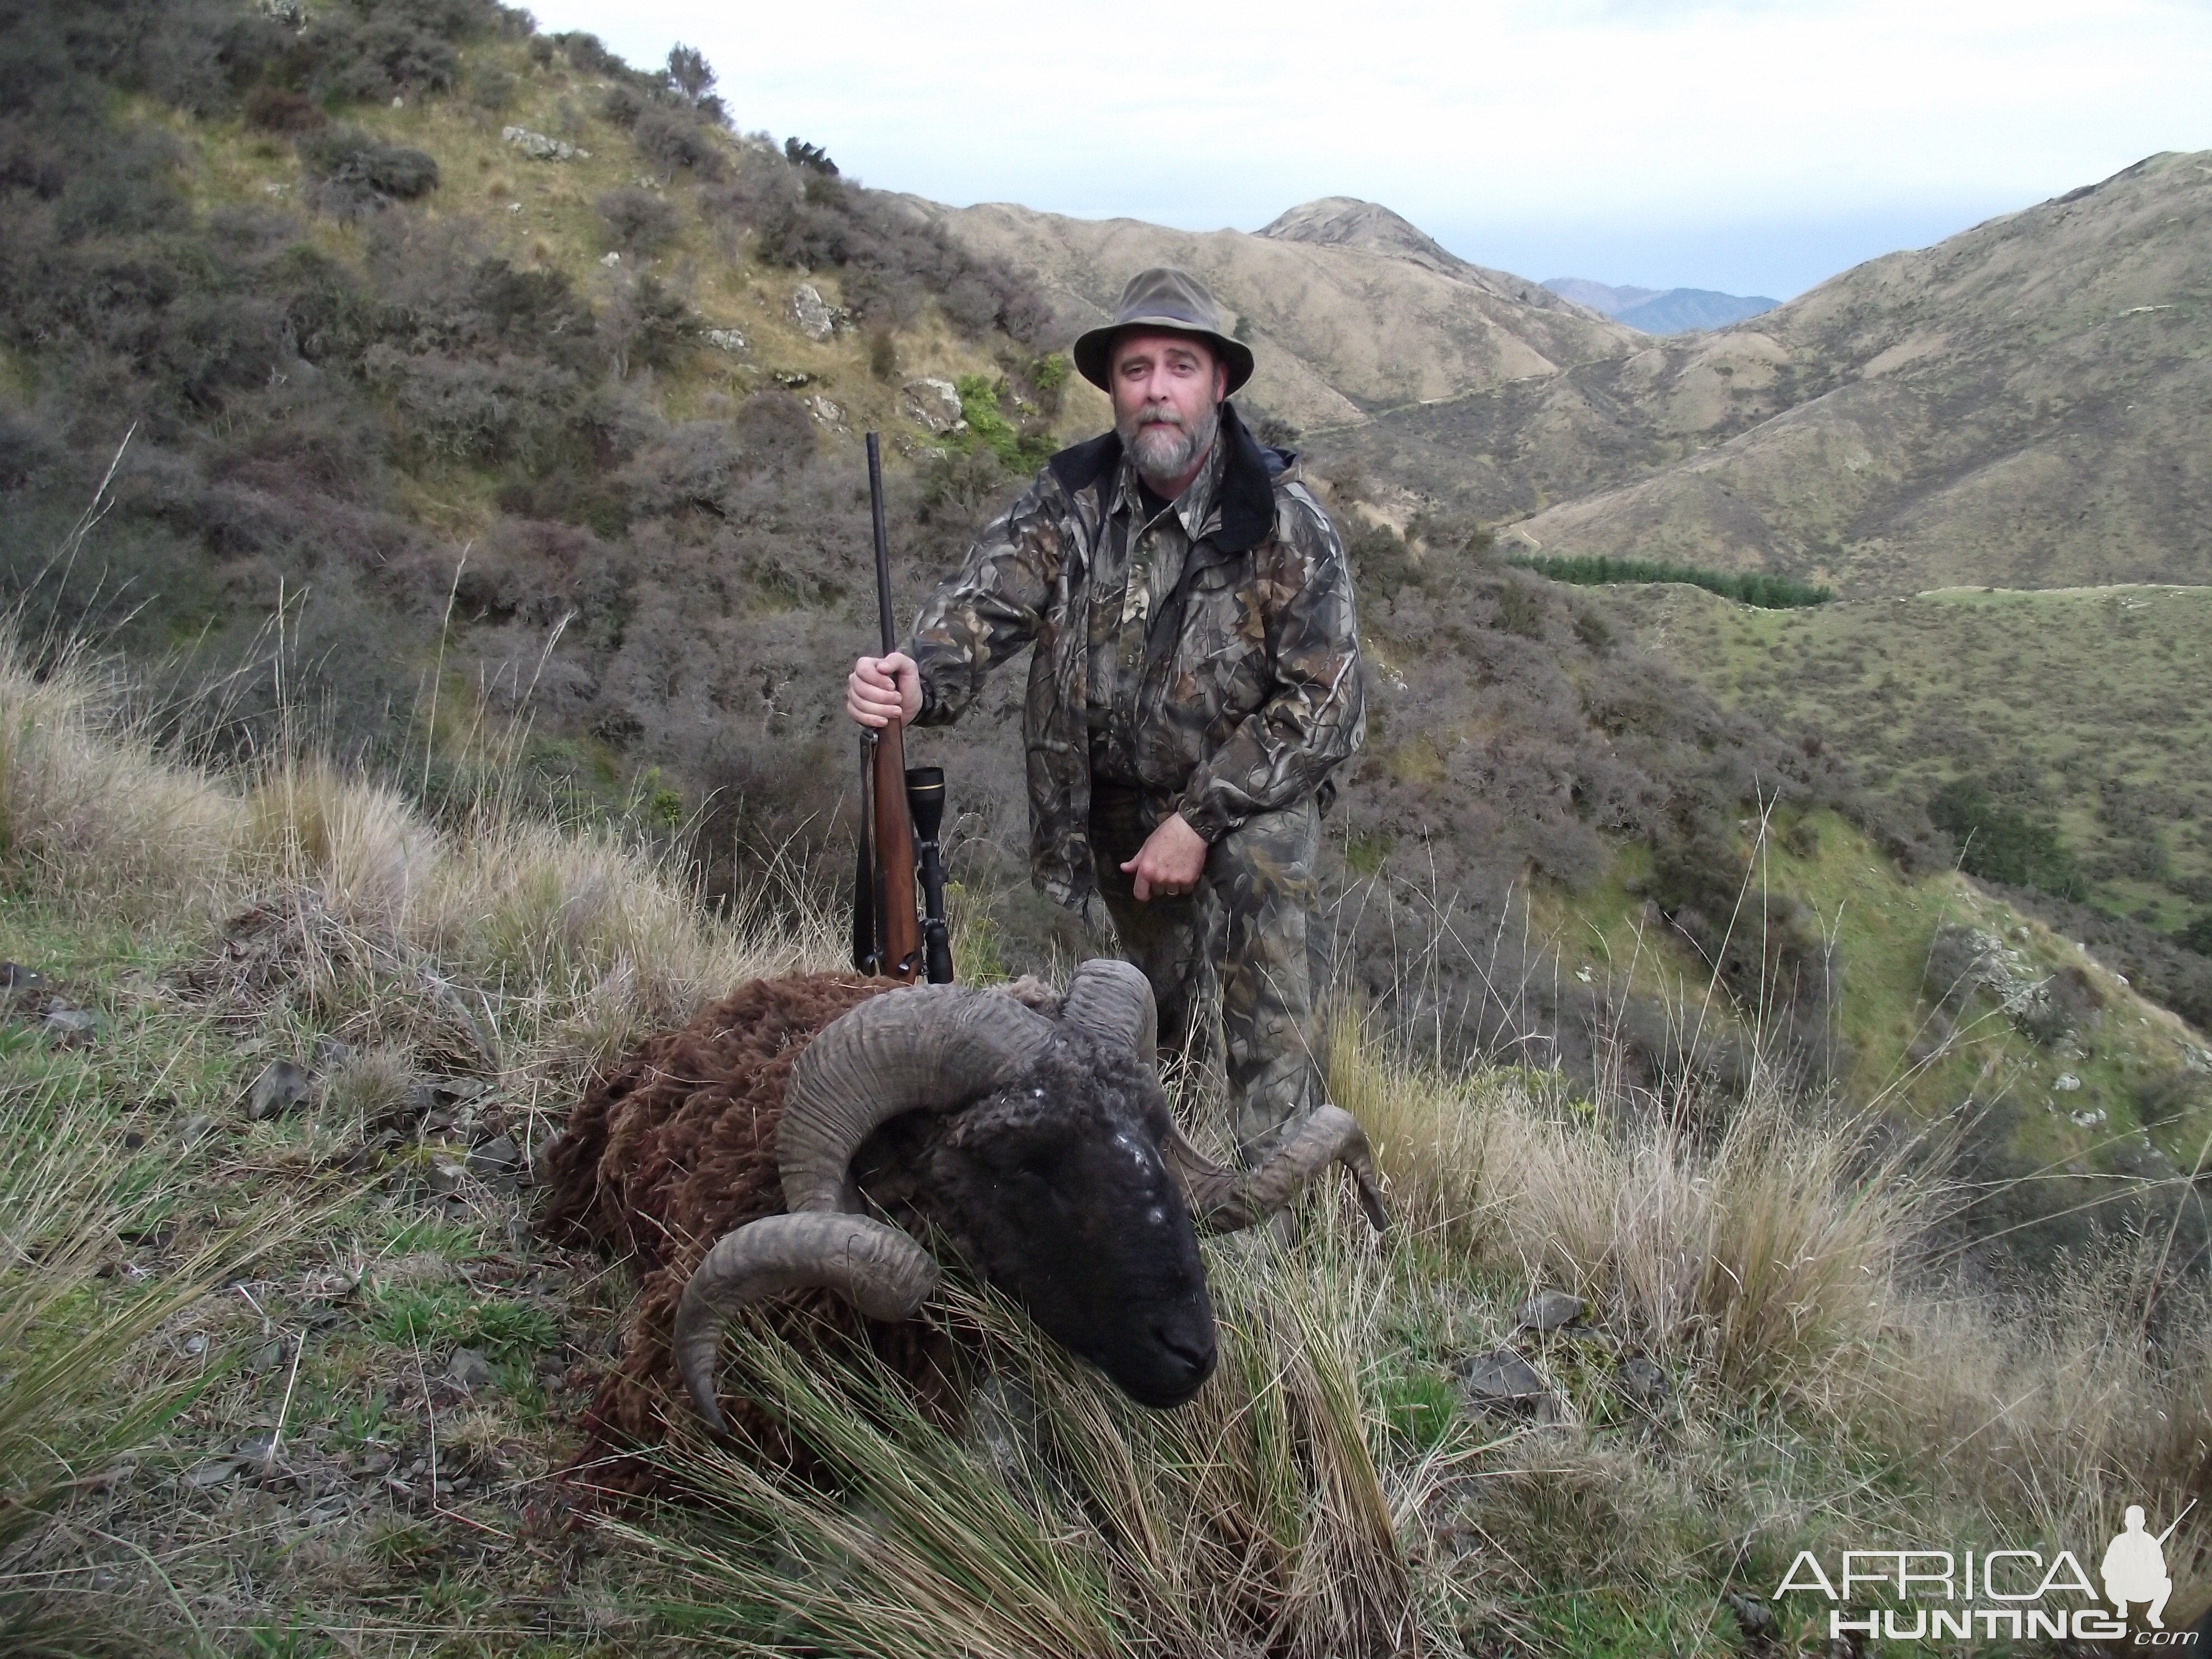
[1244, 508]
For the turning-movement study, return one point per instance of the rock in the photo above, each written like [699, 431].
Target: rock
[197, 1128]
[1752, 1616]
[266, 1359]
[933, 404]
[540, 148]
[469, 1370]
[1642, 1380]
[445, 1176]
[257, 1448]
[215, 1472]
[610, 260]
[1547, 1311]
[281, 1086]
[791, 379]
[71, 1022]
[825, 412]
[22, 983]
[2067, 1083]
[196, 1344]
[331, 1051]
[727, 339]
[499, 1160]
[1501, 1377]
[812, 313]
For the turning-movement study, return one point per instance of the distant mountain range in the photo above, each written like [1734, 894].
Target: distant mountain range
[1662, 311]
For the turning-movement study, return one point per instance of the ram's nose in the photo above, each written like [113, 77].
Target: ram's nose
[1184, 1356]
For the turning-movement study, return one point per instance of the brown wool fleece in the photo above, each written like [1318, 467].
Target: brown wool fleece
[669, 1150]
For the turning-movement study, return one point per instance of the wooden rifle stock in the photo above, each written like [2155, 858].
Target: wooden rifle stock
[886, 931]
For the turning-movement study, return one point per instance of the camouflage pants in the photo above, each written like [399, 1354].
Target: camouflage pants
[1240, 935]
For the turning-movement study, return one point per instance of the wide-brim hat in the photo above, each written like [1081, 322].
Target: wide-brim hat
[1162, 297]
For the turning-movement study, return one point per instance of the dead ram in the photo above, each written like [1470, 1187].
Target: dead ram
[747, 1156]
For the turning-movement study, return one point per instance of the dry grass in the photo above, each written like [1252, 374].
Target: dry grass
[1764, 1255]
[70, 1196]
[1255, 1520]
[576, 940]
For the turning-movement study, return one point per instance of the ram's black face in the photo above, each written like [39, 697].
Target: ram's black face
[1057, 1192]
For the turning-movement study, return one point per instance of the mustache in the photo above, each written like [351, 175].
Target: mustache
[1153, 416]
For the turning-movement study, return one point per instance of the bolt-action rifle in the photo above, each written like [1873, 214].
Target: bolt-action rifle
[902, 809]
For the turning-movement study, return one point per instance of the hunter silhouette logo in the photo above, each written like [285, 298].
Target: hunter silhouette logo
[2134, 1568]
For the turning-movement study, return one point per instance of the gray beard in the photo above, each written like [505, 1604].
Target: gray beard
[1164, 451]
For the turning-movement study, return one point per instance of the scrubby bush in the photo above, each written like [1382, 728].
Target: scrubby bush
[639, 221]
[679, 141]
[622, 105]
[1999, 841]
[355, 171]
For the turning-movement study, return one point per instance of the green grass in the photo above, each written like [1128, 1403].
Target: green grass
[1767, 593]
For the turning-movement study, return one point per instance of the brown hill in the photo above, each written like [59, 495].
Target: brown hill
[2024, 404]
[1347, 307]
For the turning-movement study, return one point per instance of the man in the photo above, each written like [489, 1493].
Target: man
[1195, 681]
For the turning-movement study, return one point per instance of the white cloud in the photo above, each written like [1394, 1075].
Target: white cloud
[1583, 113]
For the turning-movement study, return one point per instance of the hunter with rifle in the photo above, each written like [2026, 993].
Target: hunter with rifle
[1194, 683]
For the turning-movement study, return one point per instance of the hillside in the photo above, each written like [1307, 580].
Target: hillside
[2082, 718]
[1347, 307]
[2022, 405]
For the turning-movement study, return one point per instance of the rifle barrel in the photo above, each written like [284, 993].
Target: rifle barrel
[883, 545]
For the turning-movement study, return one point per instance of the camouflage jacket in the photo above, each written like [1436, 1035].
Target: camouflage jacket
[1250, 692]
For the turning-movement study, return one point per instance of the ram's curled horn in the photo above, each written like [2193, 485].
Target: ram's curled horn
[1114, 1000]
[1224, 1200]
[878, 1269]
[930, 1047]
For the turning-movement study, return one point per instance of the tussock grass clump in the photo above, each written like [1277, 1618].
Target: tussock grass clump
[1256, 1519]
[1768, 1252]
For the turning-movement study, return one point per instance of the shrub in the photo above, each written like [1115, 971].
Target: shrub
[590, 54]
[1998, 841]
[676, 139]
[639, 221]
[989, 427]
[622, 105]
[492, 89]
[1768, 592]
[812, 157]
[355, 171]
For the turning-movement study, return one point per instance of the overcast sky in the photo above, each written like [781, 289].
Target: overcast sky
[1753, 147]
